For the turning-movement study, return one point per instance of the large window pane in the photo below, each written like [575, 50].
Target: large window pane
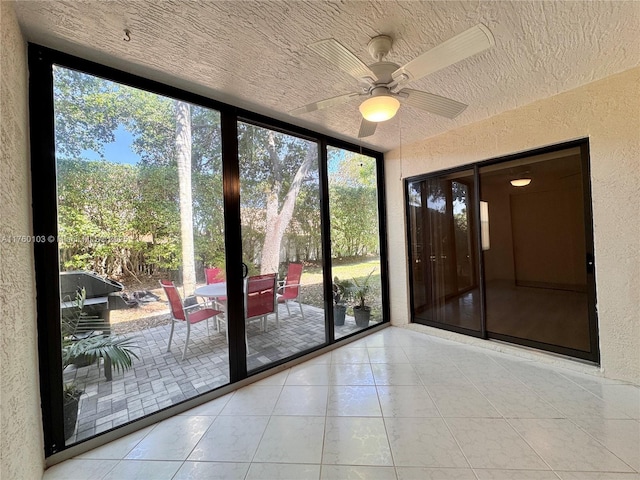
[535, 268]
[281, 242]
[443, 250]
[139, 181]
[355, 247]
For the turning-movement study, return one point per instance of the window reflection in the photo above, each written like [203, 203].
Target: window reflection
[536, 278]
[444, 269]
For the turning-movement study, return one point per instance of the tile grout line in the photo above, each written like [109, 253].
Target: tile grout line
[445, 422]
[506, 419]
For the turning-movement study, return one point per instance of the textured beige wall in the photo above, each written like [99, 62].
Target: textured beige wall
[608, 113]
[21, 444]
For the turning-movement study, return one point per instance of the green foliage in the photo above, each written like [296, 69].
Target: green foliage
[95, 210]
[342, 291]
[86, 112]
[266, 175]
[115, 217]
[361, 288]
[117, 349]
[353, 205]
[83, 338]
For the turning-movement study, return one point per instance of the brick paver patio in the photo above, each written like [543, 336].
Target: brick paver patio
[160, 379]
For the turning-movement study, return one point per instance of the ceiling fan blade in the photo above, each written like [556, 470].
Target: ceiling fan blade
[367, 128]
[342, 58]
[432, 103]
[468, 43]
[329, 102]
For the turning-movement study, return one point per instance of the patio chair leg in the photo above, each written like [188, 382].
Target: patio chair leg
[301, 311]
[186, 343]
[286, 304]
[171, 335]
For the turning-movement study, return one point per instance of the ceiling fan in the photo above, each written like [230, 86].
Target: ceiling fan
[383, 83]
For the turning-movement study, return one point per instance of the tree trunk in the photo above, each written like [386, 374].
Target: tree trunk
[277, 222]
[183, 152]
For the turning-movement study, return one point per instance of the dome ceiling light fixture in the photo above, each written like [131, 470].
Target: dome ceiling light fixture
[520, 182]
[381, 106]
[384, 82]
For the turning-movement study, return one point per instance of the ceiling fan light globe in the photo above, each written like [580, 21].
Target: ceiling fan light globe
[379, 108]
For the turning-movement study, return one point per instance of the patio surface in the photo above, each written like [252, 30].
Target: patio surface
[160, 379]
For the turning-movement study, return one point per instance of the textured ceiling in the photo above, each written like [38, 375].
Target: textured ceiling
[252, 54]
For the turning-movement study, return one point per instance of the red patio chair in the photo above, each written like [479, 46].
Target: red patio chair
[188, 314]
[260, 300]
[290, 287]
[215, 275]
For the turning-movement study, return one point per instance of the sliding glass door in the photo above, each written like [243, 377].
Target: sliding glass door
[444, 267]
[536, 271]
[529, 217]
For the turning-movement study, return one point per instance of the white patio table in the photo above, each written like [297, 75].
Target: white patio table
[213, 290]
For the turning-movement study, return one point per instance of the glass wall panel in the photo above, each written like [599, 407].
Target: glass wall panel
[355, 247]
[443, 250]
[535, 268]
[281, 244]
[139, 189]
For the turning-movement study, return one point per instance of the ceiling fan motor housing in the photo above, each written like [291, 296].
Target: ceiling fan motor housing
[383, 71]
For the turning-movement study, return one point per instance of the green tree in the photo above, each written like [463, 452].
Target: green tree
[353, 204]
[183, 160]
[279, 165]
[96, 214]
[88, 110]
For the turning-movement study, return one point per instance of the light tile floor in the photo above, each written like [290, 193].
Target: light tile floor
[395, 405]
[160, 379]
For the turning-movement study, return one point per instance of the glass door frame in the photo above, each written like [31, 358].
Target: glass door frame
[45, 222]
[482, 332]
[593, 355]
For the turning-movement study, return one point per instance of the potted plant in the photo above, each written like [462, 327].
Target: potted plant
[84, 340]
[360, 291]
[341, 294]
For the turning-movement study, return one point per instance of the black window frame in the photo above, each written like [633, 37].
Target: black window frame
[44, 197]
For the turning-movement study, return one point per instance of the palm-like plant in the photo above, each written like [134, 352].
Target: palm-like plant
[83, 337]
[117, 349]
[360, 289]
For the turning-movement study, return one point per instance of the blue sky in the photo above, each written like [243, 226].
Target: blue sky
[119, 151]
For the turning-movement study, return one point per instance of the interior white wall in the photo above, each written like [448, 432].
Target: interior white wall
[607, 113]
[21, 440]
